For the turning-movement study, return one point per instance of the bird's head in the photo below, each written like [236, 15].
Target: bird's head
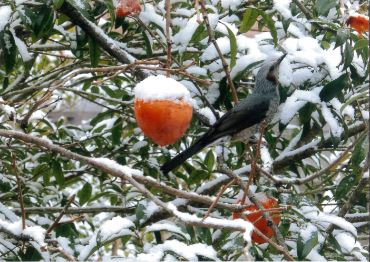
[269, 70]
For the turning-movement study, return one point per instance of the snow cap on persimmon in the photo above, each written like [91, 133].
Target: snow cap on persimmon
[161, 87]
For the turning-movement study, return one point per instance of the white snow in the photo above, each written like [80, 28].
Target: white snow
[22, 48]
[347, 110]
[266, 157]
[335, 128]
[148, 15]
[232, 4]
[108, 231]
[138, 145]
[188, 252]
[314, 214]
[184, 36]
[5, 12]
[168, 226]
[296, 101]
[161, 88]
[37, 115]
[128, 171]
[206, 112]
[37, 233]
[312, 144]
[114, 226]
[238, 223]
[282, 6]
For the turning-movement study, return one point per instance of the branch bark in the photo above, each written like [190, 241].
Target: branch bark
[95, 32]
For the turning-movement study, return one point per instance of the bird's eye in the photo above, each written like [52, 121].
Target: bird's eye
[271, 68]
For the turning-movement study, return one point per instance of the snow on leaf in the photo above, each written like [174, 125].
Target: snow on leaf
[315, 215]
[188, 252]
[167, 226]
[109, 231]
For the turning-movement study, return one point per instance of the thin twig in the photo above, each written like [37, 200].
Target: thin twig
[20, 194]
[252, 174]
[56, 221]
[168, 35]
[77, 210]
[214, 42]
[222, 190]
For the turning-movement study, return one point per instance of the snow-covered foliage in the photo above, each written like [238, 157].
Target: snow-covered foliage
[92, 188]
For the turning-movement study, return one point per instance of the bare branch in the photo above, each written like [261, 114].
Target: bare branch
[214, 42]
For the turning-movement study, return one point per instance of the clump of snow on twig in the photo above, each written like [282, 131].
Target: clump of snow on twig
[128, 171]
[36, 233]
[188, 252]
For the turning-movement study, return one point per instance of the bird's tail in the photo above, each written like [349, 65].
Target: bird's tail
[181, 158]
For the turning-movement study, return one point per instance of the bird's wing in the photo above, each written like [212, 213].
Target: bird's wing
[247, 113]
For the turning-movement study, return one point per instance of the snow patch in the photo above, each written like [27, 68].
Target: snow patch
[161, 87]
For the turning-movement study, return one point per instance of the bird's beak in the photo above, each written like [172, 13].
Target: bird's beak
[280, 59]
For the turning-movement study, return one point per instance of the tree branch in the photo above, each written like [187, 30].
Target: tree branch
[286, 161]
[95, 32]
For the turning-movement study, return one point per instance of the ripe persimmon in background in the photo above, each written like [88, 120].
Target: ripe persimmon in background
[358, 22]
[257, 219]
[162, 109]
[128, 8]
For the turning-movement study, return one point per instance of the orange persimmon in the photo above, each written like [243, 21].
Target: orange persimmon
[164, 121]
[358, 22]
[128, 8]
[259, 221]
[162, 109]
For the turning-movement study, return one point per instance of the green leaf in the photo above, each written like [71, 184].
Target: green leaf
[85, 193]
[305, 113]
[249, 19]
[9, 51]
[117, 131]
[271, 25]
[359, 152]
[344, 186]
[109, 91]
[299, 247]
[233, 47]
[342, 36]
[361, 44]
[198, 34]
[323, 6]
[209, 160]
[248, 68]
[58, 173]
[333, 88]
[348, 55]
[309, 245]
[204, 235]
[148, 46]
[196, 176]
[94, 52]
[43, 22]
[57, 4]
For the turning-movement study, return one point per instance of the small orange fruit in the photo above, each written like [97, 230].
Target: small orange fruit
[162, 109]
[259, 221]
[128, 8]
[358, 22]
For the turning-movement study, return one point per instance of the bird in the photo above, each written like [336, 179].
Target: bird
[243, 120]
